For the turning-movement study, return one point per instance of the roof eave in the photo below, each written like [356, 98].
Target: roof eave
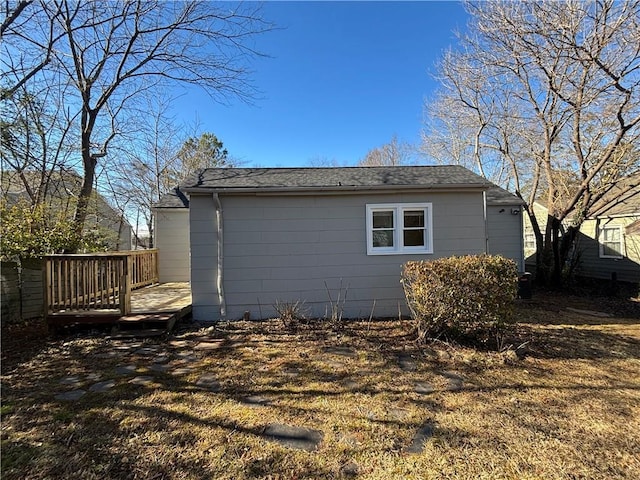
[340, 189]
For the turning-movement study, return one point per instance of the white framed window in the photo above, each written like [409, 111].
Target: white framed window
[397, 228]
[529, 240]
[611, 242]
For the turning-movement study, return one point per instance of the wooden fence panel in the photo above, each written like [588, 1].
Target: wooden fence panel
[10, 296]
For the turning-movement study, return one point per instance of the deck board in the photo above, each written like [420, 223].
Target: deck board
[165, 297]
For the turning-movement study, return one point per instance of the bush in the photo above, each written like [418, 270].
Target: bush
[460, 295]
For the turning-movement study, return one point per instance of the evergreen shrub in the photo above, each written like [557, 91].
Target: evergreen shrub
[460, 295]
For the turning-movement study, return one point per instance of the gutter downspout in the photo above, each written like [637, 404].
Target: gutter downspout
[220, 266]
[486, 222]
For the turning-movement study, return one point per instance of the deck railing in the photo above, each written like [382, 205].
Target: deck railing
[96, 283]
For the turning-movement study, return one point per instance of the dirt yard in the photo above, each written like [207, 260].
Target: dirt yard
[558, 399]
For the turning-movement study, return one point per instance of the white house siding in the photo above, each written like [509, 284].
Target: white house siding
[590, 264]
[505, 232]
[287, 247]
[172, 241]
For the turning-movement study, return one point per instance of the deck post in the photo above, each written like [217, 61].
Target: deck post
[125, 285]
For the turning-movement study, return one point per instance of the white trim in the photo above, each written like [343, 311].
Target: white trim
[620, 229]
[398, 210]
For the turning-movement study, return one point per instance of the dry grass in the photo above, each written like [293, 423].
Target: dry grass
[569, 409]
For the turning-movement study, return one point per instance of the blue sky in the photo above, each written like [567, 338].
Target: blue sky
[342, 78]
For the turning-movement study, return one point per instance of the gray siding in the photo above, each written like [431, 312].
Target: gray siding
[172, 241]
[293, 248]
[588, 248]
[505, 233]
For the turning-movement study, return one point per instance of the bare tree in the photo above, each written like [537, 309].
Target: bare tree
[112, 52]
[390, 154]
[552, 91]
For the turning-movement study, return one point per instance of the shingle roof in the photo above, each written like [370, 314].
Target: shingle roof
[332, 178]
[499, 196]
[174, 199]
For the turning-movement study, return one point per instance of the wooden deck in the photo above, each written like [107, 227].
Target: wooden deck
[158, 306]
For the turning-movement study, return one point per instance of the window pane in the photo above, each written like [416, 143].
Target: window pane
[414, 218]
[383, 219]
[611, 235]
[414, 238]
[383, 238]
[611, 249]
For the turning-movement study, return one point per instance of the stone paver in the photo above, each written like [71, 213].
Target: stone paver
[455, 381]
[341, 351]
[350, 470]
[161, 359]
[109, 354]
[181, 371]
[209, 381]
[255, 401]
[209, 345]
[102, 386]
[294, 437]
[424, 433]
[142, 380]
[126, 369]
[71, 380]
[178, 343]
[71, 396]
[407, 363]
[146, 351]
[160, 368]
[423, 388]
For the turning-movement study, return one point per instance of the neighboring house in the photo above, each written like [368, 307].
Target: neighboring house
[62, 190]
[316, 235]
[171, 227]
[608, 241]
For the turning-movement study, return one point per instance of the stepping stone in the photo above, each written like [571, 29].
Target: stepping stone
[210, 345]
[71, 396]
[209, 381]
[186, 356]
[127, 347]
[181, 371]
[93, 377]
[255, 401]
[70, 381]
[102, 386]
[342, 351]
[161, 359]
[141, 380]
[146, 351]
[455, 381]
[294, 437]
[423, 388]
[126, 369]
[406, 363]
[424, 433]
[178, 343]
[350, 469]
[158, 367]
[106, 355]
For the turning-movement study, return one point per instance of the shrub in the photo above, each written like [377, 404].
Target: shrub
[460, 295]
[290, 312]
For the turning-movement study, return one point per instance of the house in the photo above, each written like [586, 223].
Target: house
[334, 237]
[609, 238]
[171, 227]
[62, 188]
